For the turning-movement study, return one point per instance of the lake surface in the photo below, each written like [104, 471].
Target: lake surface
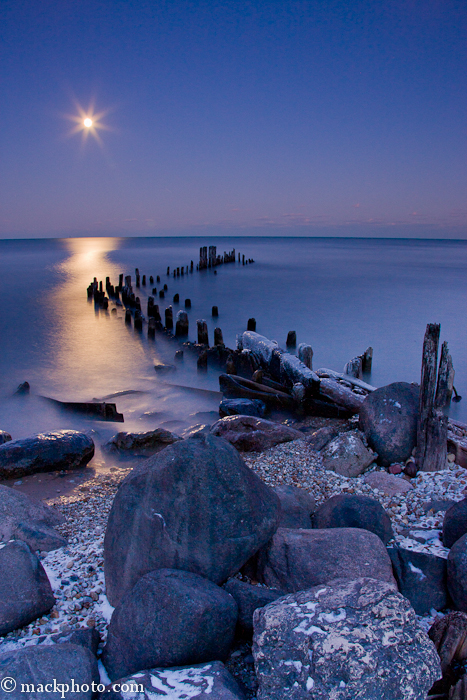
[340, 295]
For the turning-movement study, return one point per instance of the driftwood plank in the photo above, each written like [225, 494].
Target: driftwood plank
[347, 377]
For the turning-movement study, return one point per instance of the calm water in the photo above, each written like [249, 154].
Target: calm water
[340, 295]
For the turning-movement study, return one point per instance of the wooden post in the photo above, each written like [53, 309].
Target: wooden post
[169, 319]
[181, 326]
[291, 341]
[432, 427]
[187, 303]
[251, 325]
[215, 311]
[202, 332]
[218, 337]
[354, 367]
[305, 355]
[367, 359]
[176, 298]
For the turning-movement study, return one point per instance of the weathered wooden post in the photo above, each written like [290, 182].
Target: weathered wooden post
[152, 328]
[202, 362]
[176, 298]
[215, 311]
[128, 317]
[181, 326]
[120, 280]
[218, 337]
[291, 341]
[161, 294]
[367, 359]
[169, 319]
[165, 287]
[138, 321]
[445, 378]
[432, 427]
[187, 303]
[305, 354]
[354, 368]
[251, 325]
[143, 280]
[202, 332]
[151, 279]
[158, 278]
[178, 357]
[168, 273]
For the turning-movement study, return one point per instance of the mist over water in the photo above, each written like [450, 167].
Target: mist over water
[340, 295]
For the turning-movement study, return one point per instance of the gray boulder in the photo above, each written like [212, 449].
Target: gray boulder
[455, 522]
[317, 439]
[250, 434]
[194, 506]
[346, 640]
[25, 591]
[248, 599]
[22, 518]
[347, 455]
[209, 681]
[388, 417]
[457, 573]
[297, 507]
[421, 577]
[143, 444]
[170, 618]
[389, 484]
[45, 672]
[351, 510]
[45, 452]
[4, 437]
[86, 637]
[243, 407]
[298, 559]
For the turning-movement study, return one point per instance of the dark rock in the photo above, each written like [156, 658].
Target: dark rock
[349, 510]
[244, 407]
[21, 518]
[170, 618]
[46, 667]
[164, 369]
[46, 452]
[347, 640]
[248, 599]
[84, 637]
[321, 437]
[209, 681]
[455, 522]
[144, 444]
[297, 507]
[194, 506]
[347, 455]
[23, 389]
[25, 591]
[437, 505]
[250, 434]
[449, 635]
[395, 468]
[421, 577]
[298, 559]
[4, 437]
[388, 417]
[457, 573]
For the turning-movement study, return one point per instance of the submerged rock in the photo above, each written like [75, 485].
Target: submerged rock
[143, 443]
[45, 452]
[346, 640]
[250, 434]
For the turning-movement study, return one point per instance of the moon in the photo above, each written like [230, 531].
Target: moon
[87, 122]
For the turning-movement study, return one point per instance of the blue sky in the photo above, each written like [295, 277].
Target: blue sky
[301, 118]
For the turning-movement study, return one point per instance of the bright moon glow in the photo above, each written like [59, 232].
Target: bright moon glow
[88, 122]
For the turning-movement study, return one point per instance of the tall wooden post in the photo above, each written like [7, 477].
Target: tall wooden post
[432, 428]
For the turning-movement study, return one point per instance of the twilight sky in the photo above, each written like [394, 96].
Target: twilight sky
[319, 117]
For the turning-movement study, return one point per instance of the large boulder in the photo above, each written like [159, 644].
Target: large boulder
[194, 506]
[297, 506]
[388, 417]
[45, 452]
[455, 522]
[46, 672]
[421, 577]
[170, 618]
[242, 407]
[346, 640]
[248, 599]
[22, 518]
[25, 591]
[352, 510]
[298, 559]
[347, 454]
[209, 681]
[250, 434]
[457, 573]
[141, 444]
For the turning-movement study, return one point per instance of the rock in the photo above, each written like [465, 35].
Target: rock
[244, 407]
[25, 591]
[298, 559]
[349, 510]
[194, 506]
[320, 438]
[83, 637]
[45, 452]
[457, 573]
[388, 417]
[297, 507]
[4, 437]
[164, 369]
[387, 483]
[449, 635]
[23, 389]
[347, 455]
[248, 599]
[143, 444]
[346, 640]
[209, 681]
[170, 618]
[421, 577]
[455, 522]
[437, 504]
[250, 434]
[21, 518]
[46, 667]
